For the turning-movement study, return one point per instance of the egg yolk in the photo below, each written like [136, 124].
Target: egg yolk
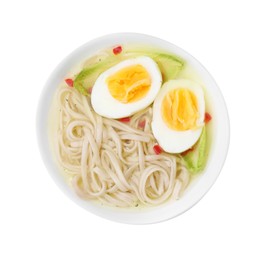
[180, 110]
[129, 84]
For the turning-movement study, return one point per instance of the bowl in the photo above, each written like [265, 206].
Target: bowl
[195, 191]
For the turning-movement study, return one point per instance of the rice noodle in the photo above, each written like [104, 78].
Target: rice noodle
[112, 161]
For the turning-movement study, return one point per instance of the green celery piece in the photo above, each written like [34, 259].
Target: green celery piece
[169, 64]
[87, 77]
[196, 159]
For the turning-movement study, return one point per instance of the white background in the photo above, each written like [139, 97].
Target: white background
[38, 222]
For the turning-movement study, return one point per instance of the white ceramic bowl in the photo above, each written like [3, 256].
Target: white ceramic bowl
[219, 146]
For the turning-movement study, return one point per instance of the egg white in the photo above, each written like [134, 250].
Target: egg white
[106, 105]
[170, 140]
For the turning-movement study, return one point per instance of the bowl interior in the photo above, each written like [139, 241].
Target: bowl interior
[219, 146]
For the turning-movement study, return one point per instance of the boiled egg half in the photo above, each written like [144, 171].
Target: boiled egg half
[178, 115]
[126, 88]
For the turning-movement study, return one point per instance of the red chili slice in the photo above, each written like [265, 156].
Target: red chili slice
[142, 124]
[69, 82]
[208, 118]
[117, 50]
[157, 149]
[125, 119]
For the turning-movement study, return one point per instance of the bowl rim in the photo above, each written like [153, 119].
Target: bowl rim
[149, 216]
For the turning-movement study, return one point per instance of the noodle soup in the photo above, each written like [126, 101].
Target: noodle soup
[130, 126]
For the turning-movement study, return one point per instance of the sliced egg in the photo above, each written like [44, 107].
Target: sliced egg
[126, 88]
[178, 115]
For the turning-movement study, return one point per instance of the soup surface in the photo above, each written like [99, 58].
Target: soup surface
[130, 126]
